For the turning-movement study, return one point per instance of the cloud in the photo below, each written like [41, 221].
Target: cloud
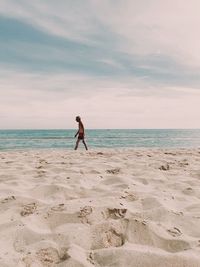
[119, 63]
[43, 101]
[26, 47]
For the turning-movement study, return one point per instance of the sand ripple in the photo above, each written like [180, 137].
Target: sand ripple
[122, 208]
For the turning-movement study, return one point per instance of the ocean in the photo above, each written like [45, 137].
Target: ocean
[107, 138]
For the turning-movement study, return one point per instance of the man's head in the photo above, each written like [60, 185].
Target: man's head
[78, 118]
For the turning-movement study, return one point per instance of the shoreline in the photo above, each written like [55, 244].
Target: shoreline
[95, 149]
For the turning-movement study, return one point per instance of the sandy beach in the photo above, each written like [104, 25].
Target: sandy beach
[114, 207]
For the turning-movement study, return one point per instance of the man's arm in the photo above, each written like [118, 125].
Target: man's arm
[79, 127]
[76, 133]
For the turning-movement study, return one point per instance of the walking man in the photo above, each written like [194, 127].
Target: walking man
[80, 133]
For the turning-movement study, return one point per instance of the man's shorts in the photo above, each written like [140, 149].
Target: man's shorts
[81, 136]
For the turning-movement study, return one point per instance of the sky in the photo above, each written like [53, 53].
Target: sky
[116, 63]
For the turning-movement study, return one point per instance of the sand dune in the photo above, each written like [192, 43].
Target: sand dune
[131, 208]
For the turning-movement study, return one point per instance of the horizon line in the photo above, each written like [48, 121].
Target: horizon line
[86, 129]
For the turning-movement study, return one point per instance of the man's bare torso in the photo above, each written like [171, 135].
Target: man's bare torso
[81, 127]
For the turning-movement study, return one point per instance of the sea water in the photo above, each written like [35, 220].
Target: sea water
[104, 138]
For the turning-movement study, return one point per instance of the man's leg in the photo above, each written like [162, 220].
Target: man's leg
[85, 144]
[77, 142]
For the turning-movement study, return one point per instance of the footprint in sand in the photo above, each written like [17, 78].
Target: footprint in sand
[90, 258]
[84, 212]
[164, 167]
[43, 161]
[108, 234]
[59, 207]
[112, 239]
[174, 232]
[28, 209]
[113, 171]
[39, 167]
[188, 191]
[116, 213]
[48, 257]
[40, 173]
[183, 164]
[7, 199]
[129, 196]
